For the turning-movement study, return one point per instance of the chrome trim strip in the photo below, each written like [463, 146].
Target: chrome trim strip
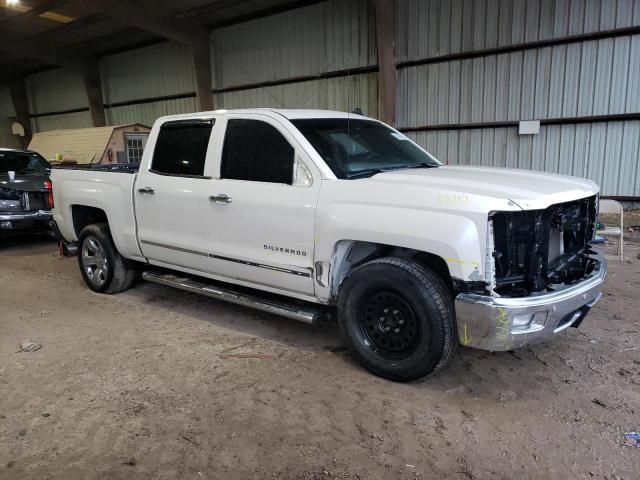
[229, 259]
[261, 265]
[39, 215]
[171, 247]
[308, 315]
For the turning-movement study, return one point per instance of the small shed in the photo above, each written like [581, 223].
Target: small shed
[113, 144]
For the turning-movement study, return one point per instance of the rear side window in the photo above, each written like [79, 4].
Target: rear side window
[181, 148]
[256, 151]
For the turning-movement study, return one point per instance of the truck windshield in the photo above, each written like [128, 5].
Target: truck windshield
[23, 163]
[361, 148]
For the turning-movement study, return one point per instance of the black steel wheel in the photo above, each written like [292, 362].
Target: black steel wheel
[388, 323]
[397, 318]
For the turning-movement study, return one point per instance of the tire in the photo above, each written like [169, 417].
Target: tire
[103, 269]
[397, 318]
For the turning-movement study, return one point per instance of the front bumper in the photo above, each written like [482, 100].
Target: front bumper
[12, 222]
[498, 323]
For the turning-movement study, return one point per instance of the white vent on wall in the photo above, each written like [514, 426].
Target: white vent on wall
[529, 127]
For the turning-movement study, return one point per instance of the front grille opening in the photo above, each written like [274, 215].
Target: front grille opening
[539, 248]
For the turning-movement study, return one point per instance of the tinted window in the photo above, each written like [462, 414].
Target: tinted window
[181, 147]
[256, 151]
[23, 163]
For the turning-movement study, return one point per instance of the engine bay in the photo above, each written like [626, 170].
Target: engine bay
[537, 250]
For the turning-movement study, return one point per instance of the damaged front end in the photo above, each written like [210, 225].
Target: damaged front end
[539, 249]
[544, 277]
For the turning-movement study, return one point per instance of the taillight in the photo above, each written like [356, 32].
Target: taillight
[49, 186]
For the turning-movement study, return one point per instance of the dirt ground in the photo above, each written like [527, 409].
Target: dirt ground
[156, 383]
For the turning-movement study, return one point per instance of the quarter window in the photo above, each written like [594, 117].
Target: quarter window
[181, 148]
[256, 151]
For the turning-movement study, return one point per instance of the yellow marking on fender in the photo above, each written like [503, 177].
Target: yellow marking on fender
[463, 262]
[466, 339]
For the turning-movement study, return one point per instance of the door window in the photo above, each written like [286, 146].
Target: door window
[181, 148]
[256, 151]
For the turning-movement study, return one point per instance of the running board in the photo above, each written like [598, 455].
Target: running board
[302, 313]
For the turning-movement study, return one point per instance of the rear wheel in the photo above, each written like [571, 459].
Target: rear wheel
[397, 318]
[104, 270]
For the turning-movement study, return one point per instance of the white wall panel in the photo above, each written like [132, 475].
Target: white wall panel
[606, 152]
[147, 113]
[328, 36]
[155, 71]
[56, 90]
[433, 27]
[69, 120]
[343, 94]
[583, 79]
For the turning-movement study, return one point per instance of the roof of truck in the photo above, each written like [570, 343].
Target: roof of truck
[289, 113]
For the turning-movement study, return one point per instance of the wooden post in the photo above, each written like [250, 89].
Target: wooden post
[386, 29]
[93, 85]
[21, 106]
[202, 65]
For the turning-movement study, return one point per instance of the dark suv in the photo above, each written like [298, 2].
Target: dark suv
[26, 199]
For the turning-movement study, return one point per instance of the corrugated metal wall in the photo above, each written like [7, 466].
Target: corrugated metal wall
[325, 37]
[7, 117]
[57, 90]
[579, 79]
[342, 94]
[606, 152]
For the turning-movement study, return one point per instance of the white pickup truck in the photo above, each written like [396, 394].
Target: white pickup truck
[302, 212]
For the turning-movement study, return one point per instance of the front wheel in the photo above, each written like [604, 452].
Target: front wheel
[397, 318]
[104, 270]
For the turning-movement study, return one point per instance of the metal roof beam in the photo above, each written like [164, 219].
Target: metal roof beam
[142, 18]
[24, 48]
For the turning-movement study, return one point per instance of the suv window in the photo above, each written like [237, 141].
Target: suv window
[256, 151]
[181, 148]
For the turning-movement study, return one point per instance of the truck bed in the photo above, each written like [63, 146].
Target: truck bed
[105, 190]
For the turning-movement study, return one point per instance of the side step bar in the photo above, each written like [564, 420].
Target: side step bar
[302, 313]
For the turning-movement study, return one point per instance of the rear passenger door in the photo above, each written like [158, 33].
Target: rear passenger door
[263, 205]
[171, 195]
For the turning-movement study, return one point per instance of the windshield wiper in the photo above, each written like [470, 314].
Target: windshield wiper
[369, 172]
[422, 165]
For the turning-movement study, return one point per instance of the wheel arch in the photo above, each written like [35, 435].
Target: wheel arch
[349, 254]
[83, 216]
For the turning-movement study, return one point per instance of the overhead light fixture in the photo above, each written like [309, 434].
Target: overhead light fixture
[18, 6]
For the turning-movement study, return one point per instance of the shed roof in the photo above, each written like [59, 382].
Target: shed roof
[83, 145]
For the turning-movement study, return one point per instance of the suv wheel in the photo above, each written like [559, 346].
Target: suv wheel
[397, 318]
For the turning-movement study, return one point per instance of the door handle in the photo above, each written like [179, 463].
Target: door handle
[146, 190]
[222, 198]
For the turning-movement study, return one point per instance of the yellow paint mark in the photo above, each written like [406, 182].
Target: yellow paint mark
[452, 198]
[463, 262]
[502, 327]
[466, 339]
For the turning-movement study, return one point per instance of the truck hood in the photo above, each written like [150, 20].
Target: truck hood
[528, 189]
[23, 183]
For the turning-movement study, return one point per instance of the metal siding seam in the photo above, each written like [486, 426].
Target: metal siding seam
[633, 85]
